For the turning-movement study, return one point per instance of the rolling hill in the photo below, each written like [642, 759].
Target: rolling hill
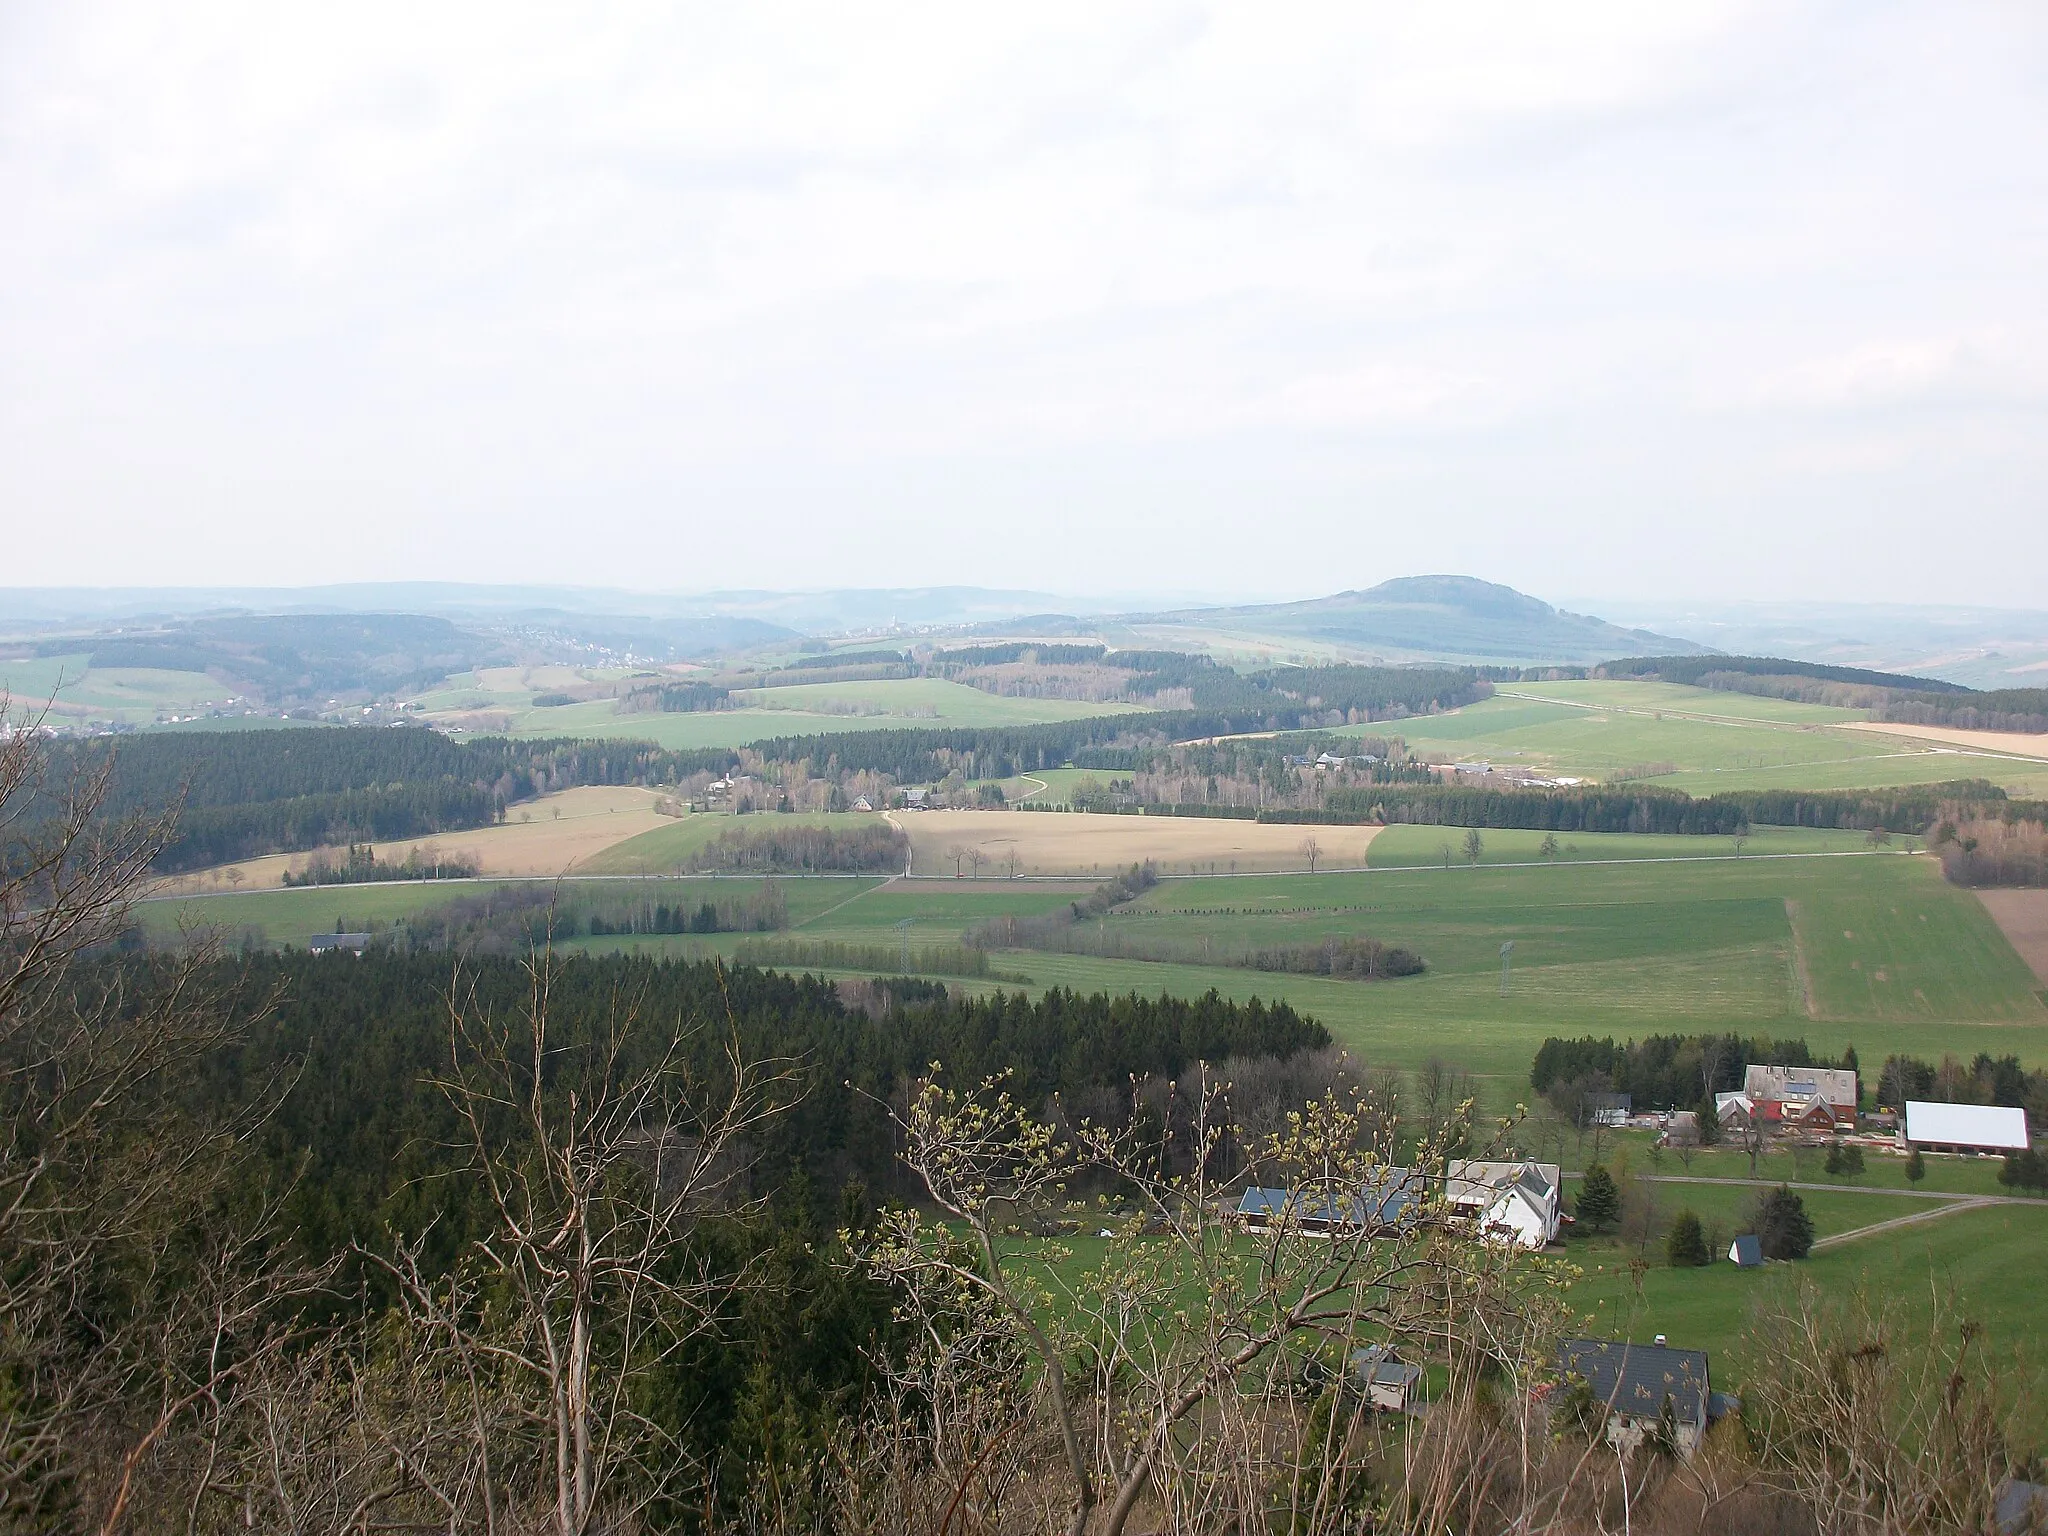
[1449, 618]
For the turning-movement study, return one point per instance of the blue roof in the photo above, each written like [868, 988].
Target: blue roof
[1748, 1250]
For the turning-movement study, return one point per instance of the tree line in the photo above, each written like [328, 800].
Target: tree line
[1665, 1071]
[1891, 696]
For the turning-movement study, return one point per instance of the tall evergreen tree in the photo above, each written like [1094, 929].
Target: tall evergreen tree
[1599, 1203]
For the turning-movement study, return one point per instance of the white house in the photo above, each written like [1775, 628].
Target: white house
[1964, 1128]
[1508, 1202]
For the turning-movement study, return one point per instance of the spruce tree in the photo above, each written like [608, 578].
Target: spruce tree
[1599, 1204]
[1708, 1119]
[1916, 1166]
[1686, 1244]
[1783, 1228]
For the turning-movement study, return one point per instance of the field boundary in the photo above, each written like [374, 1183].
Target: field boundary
[1800, 974]
[1964, 1203]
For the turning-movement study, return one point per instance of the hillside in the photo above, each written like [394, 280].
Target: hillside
[1442, 617]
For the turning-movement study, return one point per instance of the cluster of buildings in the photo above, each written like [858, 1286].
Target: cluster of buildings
[1826, 1100]
[1513, 1202]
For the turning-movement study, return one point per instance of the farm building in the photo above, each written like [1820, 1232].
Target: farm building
[1509, 1202]
[1814, 1098]
[1634, 1383]
[1746, 1252]
[1384, 1379]
[1609, 1108]
[1388, 1204]
[338, 943]
[1734, 1111]
[1964, 1128]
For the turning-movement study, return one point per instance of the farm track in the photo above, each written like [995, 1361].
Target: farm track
[1967, 1202]
[1948, 1196]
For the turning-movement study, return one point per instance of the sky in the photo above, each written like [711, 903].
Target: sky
[1669, 301]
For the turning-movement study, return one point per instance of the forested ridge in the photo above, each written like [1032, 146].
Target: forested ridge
[360, 1137]
[1892, 697]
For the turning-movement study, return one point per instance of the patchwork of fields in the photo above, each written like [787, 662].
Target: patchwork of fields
[500, 701]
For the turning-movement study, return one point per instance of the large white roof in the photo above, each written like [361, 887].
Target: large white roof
[1967, 1125]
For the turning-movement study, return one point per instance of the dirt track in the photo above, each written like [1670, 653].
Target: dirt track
[1071, 843]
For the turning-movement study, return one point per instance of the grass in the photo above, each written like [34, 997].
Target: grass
[1985, 1262]
[1413, 847]
[1713, 741]
[291, 917]
[100, 696]
[807, 709]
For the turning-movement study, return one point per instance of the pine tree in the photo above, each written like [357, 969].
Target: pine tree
[1916, 1166]
[1686, 1245]
[1599, 1204]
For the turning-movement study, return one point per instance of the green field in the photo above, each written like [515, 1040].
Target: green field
[1707, 740]
[291, 917]
[809, 709]
[102, 696]
[1417, 847]
[1985, 1262]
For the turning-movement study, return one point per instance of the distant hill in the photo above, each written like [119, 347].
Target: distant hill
[1450, 618]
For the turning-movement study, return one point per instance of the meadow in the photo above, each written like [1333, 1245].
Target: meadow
[1874, 951]
[501, 700]
[1696, 739]
[81, 695]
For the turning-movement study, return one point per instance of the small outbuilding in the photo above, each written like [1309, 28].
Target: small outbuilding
[1963, 1128]
[1384, 1379]
[1746, 1252]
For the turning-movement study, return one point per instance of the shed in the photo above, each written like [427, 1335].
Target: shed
[1384, 1379]
[1964, 1128]
[1747, 1251]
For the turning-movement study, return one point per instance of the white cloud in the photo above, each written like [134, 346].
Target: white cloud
[1436, 281]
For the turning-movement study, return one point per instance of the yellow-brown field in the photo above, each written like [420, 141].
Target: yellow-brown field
[539, 839]
[1052, 843]
[2018, 743]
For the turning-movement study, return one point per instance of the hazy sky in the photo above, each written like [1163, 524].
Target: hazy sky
[1674, 299]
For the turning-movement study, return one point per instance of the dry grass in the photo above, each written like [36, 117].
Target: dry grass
[2018, 743]
[1078, 844]
[540, 838]
[2022, 916]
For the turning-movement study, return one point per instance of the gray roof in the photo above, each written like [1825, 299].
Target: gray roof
[1748, 1250]
[1636, 1379]
[1379, 1366]
[1386, 1202]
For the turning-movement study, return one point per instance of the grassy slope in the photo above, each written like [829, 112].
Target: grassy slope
[117, 695]
[810, 709]
[289, 917]
[1987, 1262]
[1414, 847]
[1716, 741]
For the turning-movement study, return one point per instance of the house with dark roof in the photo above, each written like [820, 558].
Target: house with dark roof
[338, 943]
[1389, 1203]
[1642, 1387]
